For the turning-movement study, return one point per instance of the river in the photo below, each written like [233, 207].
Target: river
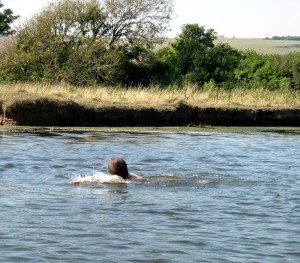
[215, 196]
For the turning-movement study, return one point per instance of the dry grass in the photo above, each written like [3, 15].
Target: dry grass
[152, 97]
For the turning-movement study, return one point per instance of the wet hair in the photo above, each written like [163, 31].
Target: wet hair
[117, 166]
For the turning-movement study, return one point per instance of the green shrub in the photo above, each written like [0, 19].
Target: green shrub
[20, 66]
[222, 62]
[267, 71]
[291, 64]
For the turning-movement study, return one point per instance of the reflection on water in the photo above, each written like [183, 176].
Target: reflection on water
[218, 196]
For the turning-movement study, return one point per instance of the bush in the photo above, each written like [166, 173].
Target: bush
[222, 62]
[267, 71]
[19, 66]
[291, 63]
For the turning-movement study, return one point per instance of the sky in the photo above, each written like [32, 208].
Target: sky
[230, 18]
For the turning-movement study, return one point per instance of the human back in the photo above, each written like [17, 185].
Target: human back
[118, 172]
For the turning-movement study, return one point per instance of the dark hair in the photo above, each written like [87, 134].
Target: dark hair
[117, 166]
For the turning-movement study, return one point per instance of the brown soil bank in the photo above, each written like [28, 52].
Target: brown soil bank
[44, 112]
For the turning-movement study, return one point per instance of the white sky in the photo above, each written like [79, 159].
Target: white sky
[231, 18]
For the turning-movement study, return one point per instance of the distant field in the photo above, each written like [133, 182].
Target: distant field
[265, 46]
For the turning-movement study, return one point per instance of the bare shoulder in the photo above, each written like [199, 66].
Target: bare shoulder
[74, 182]
[135, 177]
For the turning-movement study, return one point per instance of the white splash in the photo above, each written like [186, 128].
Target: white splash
[99, 177]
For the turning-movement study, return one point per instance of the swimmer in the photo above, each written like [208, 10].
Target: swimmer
[116, 167]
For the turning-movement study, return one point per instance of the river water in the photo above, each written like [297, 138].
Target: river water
[207, 197]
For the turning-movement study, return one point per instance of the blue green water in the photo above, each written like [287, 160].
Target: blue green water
[207, 197]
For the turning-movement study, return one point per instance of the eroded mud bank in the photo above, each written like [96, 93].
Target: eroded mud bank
[45, 112]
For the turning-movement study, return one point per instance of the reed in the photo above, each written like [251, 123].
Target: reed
[155, 97]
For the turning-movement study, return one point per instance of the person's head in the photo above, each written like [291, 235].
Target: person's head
[117, 166]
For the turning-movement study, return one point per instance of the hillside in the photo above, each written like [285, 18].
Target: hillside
[265, 46]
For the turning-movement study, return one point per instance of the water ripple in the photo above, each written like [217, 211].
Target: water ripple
[222, 197]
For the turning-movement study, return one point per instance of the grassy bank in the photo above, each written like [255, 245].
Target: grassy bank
[63, 105]
[150, 97]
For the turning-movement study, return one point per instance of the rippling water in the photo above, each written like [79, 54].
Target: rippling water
[208, 197]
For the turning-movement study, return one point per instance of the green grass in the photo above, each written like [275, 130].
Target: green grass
[264, 46]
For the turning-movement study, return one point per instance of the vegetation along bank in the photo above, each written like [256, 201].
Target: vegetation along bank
[76, 44]
[50, 105]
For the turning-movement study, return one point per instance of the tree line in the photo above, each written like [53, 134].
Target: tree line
[293, 38]
[120, 42]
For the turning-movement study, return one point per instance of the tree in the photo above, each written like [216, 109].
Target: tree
[115, 22]
[222, 62]
[194, 58]
[89, 41]
[6, 19]
[188, 54]
[60, 44]
[138, 21]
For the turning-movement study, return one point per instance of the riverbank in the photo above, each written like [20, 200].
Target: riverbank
[43, 105]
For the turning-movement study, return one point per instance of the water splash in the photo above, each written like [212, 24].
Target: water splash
[99, 178]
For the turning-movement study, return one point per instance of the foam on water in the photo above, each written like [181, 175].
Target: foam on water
[97, 177]
[100, 178]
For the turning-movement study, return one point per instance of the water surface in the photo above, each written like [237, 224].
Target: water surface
[207, 197]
